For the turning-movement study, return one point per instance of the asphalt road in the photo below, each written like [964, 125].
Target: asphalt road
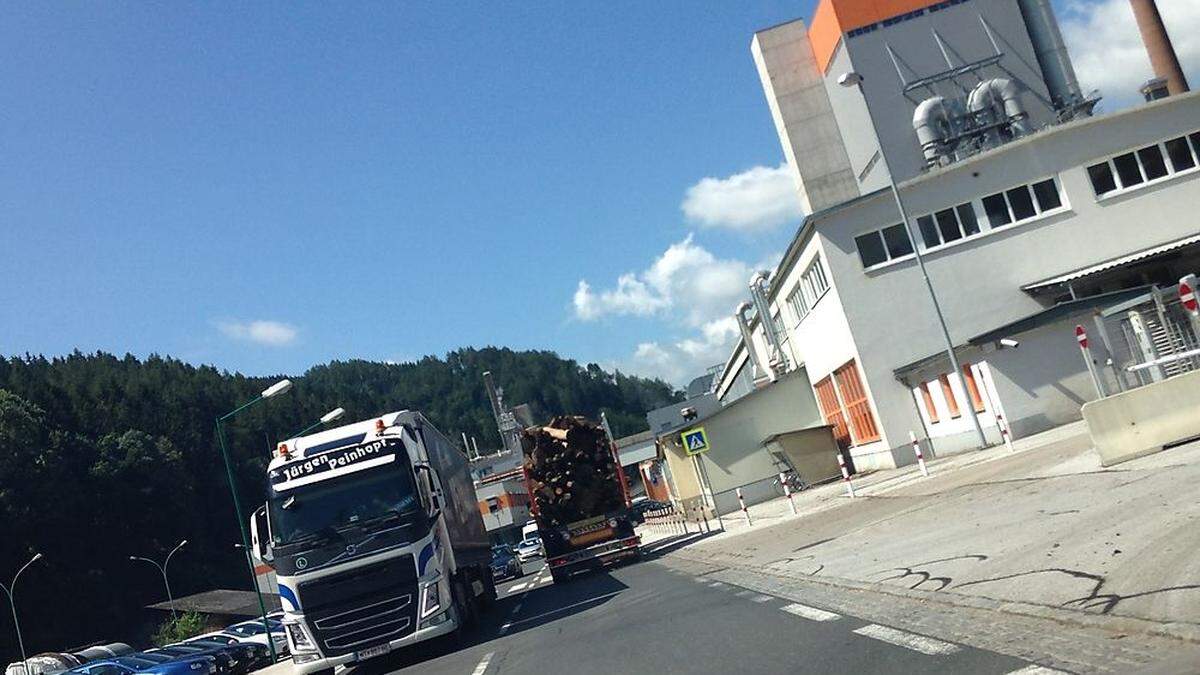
[646, 618]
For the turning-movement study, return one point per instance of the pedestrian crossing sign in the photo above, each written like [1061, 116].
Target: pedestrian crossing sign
[695, 441]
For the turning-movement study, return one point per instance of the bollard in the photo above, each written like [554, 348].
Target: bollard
[742, 503]
[920, 458]
[845, 476]
[787, 492]
[1004, 431]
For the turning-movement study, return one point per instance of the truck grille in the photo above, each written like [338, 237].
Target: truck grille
[363, 607]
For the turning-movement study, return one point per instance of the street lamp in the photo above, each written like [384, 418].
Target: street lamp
[276, 389]
[853, 79]
[12, 603]
[328, 417]
[163, 568]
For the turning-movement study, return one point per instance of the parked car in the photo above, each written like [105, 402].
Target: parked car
[128, 665]
[211, 665]
[227, 662]
[253, 655]
[253, 631]
[506, 564]
[529, 549]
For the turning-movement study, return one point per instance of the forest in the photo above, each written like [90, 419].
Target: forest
[103, 457]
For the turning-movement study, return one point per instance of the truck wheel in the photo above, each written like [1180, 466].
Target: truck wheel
[557, 576]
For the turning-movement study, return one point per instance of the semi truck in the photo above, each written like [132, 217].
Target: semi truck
[376, 539]
[578, 496]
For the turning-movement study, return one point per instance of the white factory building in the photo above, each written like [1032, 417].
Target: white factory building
[1032, 216]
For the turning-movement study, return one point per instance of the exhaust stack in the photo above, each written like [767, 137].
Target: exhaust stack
[1158, 46]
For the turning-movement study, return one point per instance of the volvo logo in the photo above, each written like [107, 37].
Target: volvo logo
[351, 549]
[301, 563]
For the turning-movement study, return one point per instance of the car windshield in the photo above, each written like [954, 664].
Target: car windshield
[320, 510]
[247, 629]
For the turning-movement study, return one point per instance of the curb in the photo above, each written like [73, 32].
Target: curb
[1176, 630]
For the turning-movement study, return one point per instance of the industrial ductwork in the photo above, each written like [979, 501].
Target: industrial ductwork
[1051, 53]
[999, 100]
[777, 361]
[931, 120]
[743, 321]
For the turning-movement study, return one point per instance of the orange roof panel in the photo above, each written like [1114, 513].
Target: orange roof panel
[834, 18]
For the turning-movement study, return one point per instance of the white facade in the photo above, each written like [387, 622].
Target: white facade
[880, 315]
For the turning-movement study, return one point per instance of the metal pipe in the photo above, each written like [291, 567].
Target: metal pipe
[1051, 52]
[748, 341]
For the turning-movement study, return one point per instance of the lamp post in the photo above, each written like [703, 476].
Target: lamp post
[328, 417]
[276, 389]
[853, 79]
[163, 568]
[12, 603]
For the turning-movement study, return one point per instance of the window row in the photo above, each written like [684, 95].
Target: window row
[1009, 207]
[1148, 164]
[813, 284]
[952, 407]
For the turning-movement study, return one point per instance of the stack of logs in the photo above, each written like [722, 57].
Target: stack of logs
[572, 475]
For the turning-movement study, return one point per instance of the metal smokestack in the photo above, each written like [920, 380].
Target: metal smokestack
[1158, 45]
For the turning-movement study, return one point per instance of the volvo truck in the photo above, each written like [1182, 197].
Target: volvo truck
[376, 539]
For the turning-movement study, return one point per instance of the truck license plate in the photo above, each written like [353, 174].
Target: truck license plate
[372, 652]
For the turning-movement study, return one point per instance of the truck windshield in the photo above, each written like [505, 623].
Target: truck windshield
[321, 510]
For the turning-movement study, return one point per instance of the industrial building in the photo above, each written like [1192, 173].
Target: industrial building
[1032, 215]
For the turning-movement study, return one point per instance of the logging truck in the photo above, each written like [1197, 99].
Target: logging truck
[376, 539]
[578, 496]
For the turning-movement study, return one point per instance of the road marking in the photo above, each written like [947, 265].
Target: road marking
[1034, 669]
[811, 613]
[744, 594]
[762, 598]
[716, 584]
[917, 643]
[482, 667]
[515, 588]
[552, 612]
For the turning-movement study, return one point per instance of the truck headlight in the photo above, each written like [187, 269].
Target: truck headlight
[299, 637]
[432, 600]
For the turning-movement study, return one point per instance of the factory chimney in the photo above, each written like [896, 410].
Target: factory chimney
[1158, 44]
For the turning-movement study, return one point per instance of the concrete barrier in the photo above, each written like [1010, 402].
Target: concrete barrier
[1144, 420]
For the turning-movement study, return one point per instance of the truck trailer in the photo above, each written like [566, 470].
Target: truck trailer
[376, 539]
[578, 496]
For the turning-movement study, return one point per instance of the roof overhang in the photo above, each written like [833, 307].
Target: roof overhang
[1115, 263]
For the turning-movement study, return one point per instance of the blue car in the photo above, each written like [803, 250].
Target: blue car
[132, 665]
[210, 662]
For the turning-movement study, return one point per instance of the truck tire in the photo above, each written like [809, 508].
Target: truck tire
[558, 577]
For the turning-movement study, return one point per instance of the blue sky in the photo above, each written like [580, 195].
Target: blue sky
[266, 187]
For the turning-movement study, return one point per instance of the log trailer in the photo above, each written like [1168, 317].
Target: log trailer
[578, 496]
[376, 539]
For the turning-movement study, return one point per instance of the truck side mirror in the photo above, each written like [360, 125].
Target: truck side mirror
[425, 477]
[260, 536]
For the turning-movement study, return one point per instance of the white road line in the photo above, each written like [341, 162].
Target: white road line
[482, 667]
[762, 598]
[1034, 669]
[744, 594]
[917, 643]
[811, 613]
[716, 584]
[515, 588]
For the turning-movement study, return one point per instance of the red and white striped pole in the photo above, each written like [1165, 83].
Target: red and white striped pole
[920, 457]
[1004, 431]
[1082, 338]
[846, 475]
[787, 491]
[742, 503]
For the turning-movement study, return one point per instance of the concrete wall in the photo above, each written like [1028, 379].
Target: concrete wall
[811, 452]
[1144, 420]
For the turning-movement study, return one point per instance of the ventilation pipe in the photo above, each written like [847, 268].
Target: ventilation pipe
[1158, 45]
[1051, 52]
[999, 99]
[776, 360]
[931, 120]
[756, 366]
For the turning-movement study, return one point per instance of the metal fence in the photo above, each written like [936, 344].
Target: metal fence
[1149, 338]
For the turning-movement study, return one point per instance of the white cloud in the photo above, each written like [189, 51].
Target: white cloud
[756, 199]
[686, 281]
[680, 361]
[269, 333]
[1106, 47]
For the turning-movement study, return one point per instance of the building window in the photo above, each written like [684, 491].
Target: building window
[972, 387]
[855, 404]
[1022, 203]
[1047, 195]
[948, 394]
[796, 302]
[1146, 165]
[930, 408]
[948, 225]
[777, 322]
[493, 504]
[813, 284]
[880, 246]
[831, 409]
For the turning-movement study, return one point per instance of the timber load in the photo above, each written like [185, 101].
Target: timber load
[572, 472]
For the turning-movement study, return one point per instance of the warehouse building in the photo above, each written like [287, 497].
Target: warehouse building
[1032, 215]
